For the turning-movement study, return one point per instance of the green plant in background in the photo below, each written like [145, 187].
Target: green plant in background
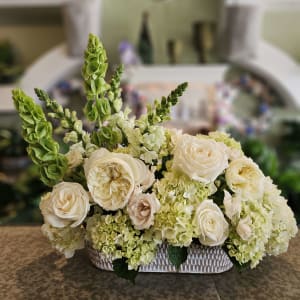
[20, 198]
[289, 152]
[20, 185]
[289, 145]
[283, 172]
[263, 155]
[11, 143]
[9, 69]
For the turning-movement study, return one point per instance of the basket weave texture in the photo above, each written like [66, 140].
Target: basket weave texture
[200, 260]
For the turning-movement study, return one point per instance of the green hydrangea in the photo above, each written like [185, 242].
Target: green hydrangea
[226, 139]
[252, 250]
[284, 228]
[284, 225]
[115, 237]
[154, 138]
[66, 240]
[178, 196]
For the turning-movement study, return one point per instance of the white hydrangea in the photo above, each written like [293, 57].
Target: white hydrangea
[283, 220]
[247, 242]
[65, 240]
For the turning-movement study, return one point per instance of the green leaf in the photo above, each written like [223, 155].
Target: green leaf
[120, 267]
[263, 155]
[289, 180]
[177, 255]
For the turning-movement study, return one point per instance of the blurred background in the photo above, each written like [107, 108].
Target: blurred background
[241, 59]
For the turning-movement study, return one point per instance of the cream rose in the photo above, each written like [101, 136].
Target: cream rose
[112, 178]
[67, 204]
[109, 178]
[232, 205]
[234, 153]
[74, 156]
[210, 223]
[141, 209]
[244, 177]
[244, 228]
[143, 177]
[200, 158]
[175, 135]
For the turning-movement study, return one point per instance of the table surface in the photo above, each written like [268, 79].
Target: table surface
[30, 269]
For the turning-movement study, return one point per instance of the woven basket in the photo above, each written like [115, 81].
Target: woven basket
[201, 260]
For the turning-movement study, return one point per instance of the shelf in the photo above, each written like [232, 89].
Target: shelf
[53, 66]
[175, 74]
[32, 3]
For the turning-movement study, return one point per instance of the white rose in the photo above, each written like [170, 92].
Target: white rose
[202, 159]
[143, 177]
[234, 153]
[148, 180]
[67, 204]
[210, 223]
[109, 178]
[74, 156]
[232, 205]
[141, 209]
[244, 228]
[112, 177]
[244, 177]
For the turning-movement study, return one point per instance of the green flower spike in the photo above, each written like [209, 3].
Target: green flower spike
[93, 72]
[160, 111]
[68, 120]
[37, 132]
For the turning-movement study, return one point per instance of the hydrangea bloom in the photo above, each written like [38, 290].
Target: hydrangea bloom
[146, 145]
[115, 236]
[66, 240]
[251, 250]
[178, 196]
[284, 225]
[225, 138]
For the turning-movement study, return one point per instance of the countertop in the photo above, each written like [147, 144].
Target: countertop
[30, 269]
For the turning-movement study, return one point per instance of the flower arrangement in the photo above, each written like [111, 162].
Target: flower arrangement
[130, 185]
